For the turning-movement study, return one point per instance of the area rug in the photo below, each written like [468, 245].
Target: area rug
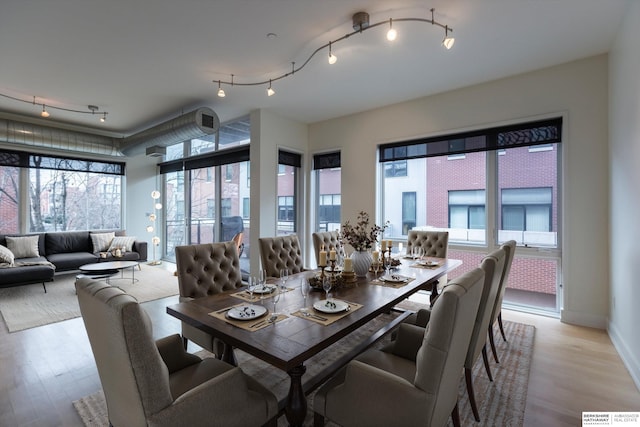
[25, 307]
[500, 403]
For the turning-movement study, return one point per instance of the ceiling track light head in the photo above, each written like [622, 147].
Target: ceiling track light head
[93, 108]
[360, 21]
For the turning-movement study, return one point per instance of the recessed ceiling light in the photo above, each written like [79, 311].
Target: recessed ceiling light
[271, 36]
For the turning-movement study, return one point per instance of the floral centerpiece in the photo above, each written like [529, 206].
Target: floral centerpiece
[362, 237]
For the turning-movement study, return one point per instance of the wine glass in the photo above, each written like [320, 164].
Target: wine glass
[305, 288]
[326, 285]
[275, 299]
[284, 276]
[262, 278]
[376, 268]
[252, 282]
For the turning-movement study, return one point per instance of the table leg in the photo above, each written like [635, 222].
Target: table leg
[228, 355]
[434, 293]
[296, 409]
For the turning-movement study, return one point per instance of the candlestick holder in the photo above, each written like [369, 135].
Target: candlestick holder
[322, 276]
[333, 271]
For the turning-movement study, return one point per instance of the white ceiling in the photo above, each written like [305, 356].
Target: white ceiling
[146, 61]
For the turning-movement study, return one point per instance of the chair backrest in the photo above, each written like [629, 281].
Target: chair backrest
[493, 267]
[330, 240]
[134, 378]
[434, 243]
[440, 359]
[280, 252]
[510, 250]
[207, 269]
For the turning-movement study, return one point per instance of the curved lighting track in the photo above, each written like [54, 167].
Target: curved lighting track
[360, 25]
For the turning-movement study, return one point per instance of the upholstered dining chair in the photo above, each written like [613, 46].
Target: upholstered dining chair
[435, 244]
[157, 383]
[277, 253]
[206, 269]
[414, 380]
[496, 313]
[330, 240]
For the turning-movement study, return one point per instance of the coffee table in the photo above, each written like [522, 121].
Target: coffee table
[102, 269]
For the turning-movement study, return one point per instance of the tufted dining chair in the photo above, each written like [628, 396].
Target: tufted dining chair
[330, 240]
[157, 383]
[435, 244]
[414, 380]
[496, 313]
[206, 269]
[280, 252]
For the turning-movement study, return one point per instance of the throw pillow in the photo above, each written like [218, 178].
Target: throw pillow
[119, 241]
[6, 256]
[101, 241]
[23, 246]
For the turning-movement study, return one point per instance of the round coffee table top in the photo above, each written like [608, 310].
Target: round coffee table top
[110, 265]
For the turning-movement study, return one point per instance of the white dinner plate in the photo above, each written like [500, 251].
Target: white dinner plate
[394, 278]
[246, 312]
[264, 289]
[331, 306]
[429, 263]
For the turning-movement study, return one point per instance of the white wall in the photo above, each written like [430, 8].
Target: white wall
[625, 196]
[142, 179]
[577, 89]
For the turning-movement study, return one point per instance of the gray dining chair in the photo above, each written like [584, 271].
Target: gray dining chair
[435, 244]
[157, 383]
[496, 313]
[414, 380]
[206, 269]
[277, 253]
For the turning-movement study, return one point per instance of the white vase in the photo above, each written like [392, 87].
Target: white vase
[361, 261]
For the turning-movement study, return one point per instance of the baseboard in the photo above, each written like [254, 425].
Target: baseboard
[629, 358]
[578, 318]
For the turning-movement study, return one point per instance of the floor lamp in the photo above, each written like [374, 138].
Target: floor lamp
[155, 240]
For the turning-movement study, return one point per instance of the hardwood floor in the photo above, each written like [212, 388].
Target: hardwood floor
[42, 370]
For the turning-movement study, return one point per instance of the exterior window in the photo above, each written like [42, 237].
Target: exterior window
[211, 208]
[408, 211]
[395, 169]
[329, 211]
[467, 209]
[286, 210]
[245, 207]
[228, 173]
[9, 199]
[526, 209]
[225, 205]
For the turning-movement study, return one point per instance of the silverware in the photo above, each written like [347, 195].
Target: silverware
[223, 310]
[255, 325]
[315, 316]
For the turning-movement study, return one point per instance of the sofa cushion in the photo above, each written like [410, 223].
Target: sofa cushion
[71, 261]
[24, 275]
[68, 242]
[23, 246]
[119, 242]
[6, 256]
[101, 241]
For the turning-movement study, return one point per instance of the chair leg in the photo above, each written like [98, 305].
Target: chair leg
[493, 344]
[185, 342]
[501, 327]
[455, 416]
[318, 420]
[472, 397]
[45, 287]
[485, 359]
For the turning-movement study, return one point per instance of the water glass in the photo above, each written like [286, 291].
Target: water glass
[326, 285]
[262, 282]
[305, 288]
[252, 282]
[275, 299]
[284, 276]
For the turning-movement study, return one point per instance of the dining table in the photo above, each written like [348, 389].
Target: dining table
[294, 337]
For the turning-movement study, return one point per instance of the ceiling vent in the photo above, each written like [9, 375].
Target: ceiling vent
[194, 124]
[156, 151]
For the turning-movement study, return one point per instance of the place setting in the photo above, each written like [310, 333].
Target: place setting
[325, 311]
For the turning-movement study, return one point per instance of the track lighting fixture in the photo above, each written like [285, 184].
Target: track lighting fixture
[332, 57]
[45, 109]
[360, 24]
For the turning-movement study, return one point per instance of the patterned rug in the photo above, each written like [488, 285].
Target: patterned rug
[28, 306]
[501, 402]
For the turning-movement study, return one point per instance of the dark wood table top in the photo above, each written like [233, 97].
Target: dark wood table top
[288, 343]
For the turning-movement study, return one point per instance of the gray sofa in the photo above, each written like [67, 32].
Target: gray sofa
[59, 252]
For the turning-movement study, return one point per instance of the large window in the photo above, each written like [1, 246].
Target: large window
[328, 201]
[63, 193]
[484, 187]
[288, 170]
[214, 206]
